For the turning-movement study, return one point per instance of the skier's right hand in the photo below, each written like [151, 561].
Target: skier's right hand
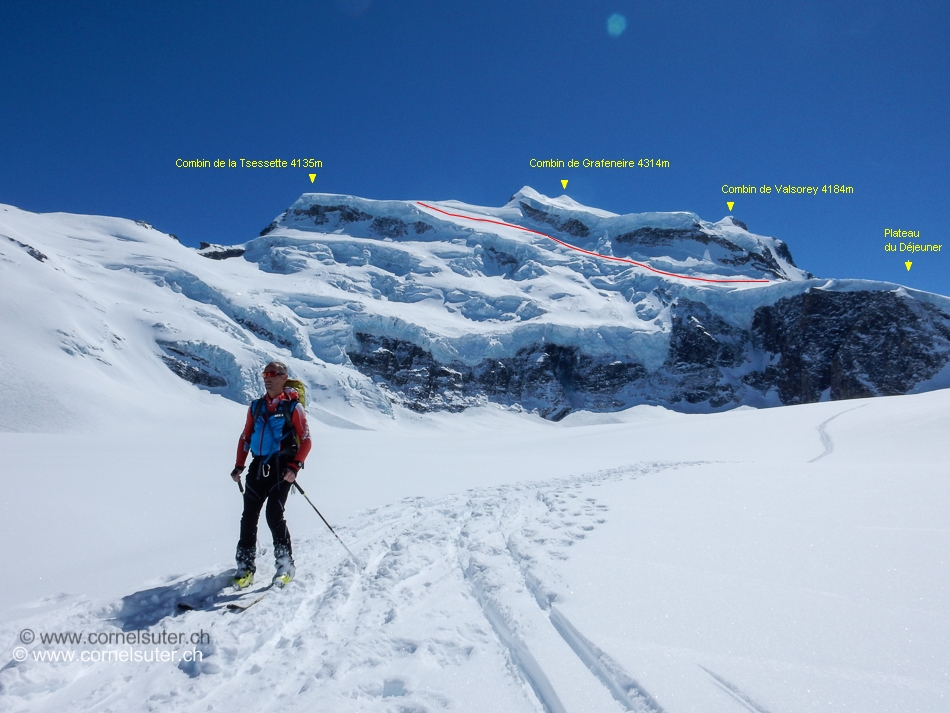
[236, 473]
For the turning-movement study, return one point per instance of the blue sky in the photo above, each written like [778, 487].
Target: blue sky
[451, 100]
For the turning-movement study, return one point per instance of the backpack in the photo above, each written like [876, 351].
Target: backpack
[300, 388]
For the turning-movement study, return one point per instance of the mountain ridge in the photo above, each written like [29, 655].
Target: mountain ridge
[383, 304]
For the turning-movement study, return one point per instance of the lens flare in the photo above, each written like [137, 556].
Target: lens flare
[353, 8]
[616, 24]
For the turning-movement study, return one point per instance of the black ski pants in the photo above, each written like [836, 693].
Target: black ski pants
[265, 483]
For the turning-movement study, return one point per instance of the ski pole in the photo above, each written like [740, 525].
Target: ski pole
[240, 486]
[358, 563]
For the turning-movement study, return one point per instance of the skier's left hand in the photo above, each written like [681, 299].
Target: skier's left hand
[290, 475]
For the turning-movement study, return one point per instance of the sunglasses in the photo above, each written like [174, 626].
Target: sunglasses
[271, 374]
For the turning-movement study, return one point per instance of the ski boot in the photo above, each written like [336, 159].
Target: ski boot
[244, 566]
[282, 578]
[285, 567]
[243, 579]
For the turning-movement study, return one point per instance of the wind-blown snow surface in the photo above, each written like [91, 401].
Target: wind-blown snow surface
[789, 559]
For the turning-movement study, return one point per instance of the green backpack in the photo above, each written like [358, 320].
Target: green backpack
[300, 388]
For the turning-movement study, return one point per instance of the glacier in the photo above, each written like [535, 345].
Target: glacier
[428, 306]
[561, 503]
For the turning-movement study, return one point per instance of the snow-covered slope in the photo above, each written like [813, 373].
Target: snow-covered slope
[444, 306]
[680, 243]
[791, 559]
[93, 306]
[786, 559]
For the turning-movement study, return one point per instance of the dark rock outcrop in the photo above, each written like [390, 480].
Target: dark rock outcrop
[571, 226]
[30, 250]
[815, 346]
[663, 237]
[550, 378]
[218, 252]
[190, 366]
[848, 344]
[321, 214]
[702, 344]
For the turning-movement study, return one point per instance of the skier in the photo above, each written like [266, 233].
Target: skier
[277, 435]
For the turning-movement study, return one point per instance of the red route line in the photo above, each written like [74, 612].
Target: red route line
[580, 250]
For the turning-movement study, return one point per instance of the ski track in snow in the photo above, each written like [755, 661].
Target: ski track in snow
[825, 438]
[528, 667]
[460, 587]
[624, 689]
[735, 692]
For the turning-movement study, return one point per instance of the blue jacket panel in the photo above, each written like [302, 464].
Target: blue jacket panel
[272, 430]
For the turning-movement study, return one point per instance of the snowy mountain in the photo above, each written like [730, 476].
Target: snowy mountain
[646, 560]
[543, 305]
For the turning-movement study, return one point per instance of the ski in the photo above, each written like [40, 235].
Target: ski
[279, 582]
[247, 602]
[219, 599]
[206, 597]
[233, 598]
[244, 606]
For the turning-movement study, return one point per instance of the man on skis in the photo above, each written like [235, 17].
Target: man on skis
[276, 434]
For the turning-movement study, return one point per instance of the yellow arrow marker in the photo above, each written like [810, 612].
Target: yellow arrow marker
[730, 204]
[907, 265]
[312, 176]
[564, 183]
